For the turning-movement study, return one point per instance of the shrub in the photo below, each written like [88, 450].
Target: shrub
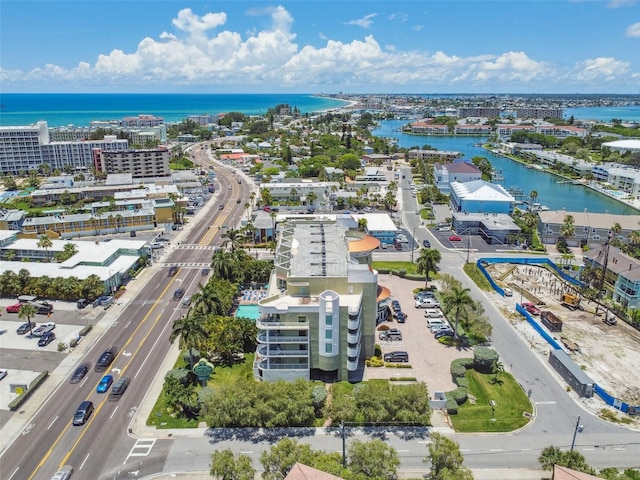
[462, 382]
[180, 374]
[459, 395]
[73, 343]
[319, 396]
[377, 351]
[85, 330]
[484, 358]
[62, 347]
[196, 355]
[459, 366]
[452, 407]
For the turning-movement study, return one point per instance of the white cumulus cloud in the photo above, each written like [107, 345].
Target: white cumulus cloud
[633, 30]
[364, 22]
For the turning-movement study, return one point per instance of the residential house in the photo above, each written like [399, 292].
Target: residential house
[479, 196]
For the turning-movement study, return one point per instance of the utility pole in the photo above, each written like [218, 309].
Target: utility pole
[413, 241]
[468, 243]
[578, 428]
[604, 272]
[344, 445]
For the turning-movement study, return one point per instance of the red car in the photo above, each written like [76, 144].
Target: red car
[15, 308]
[455, 238]
[531, 308]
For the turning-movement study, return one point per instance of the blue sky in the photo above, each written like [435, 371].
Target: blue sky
[319, 46]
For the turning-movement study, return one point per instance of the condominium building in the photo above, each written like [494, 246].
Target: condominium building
[142, 121]
[622, 276]
[481, 112]
[539, 112]
[442, 155]
[318, 319]
[145, 163]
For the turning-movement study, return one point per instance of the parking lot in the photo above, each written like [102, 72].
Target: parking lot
[430, 360]
[21, 356]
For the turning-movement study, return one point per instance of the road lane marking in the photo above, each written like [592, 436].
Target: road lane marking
[114, 412]
[496, 450]
[51, 424]
[83, 382]
[14, 472]
[99, 407]
[143, 444]
[85, 461]
[550, 402]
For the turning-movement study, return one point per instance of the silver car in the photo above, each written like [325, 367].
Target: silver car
[64, 473]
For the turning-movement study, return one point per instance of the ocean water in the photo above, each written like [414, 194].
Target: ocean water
[81, 109]
[630, 113]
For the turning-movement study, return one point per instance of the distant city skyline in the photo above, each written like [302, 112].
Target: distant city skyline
[320, 46]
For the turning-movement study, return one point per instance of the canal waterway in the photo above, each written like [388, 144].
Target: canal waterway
[551, 193]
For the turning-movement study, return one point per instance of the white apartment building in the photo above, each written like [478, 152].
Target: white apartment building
[318, 319]
[300, 190]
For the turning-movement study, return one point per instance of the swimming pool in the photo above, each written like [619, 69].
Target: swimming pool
[248, 311]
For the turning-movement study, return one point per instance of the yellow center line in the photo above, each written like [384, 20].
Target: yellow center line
[55, 443]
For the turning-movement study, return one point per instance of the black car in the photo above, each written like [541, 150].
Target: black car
[178, 294]
[444, 332]
[401, 317]
[396, 357]
[25, 327]
[46, 339]
[173, 270]
[395, 306]
[106, 359]
[119, 388]
[79, 374]
[426, 244]
[205, 272]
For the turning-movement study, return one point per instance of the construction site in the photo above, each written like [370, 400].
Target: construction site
[606, 348]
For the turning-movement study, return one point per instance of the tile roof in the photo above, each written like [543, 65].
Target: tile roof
[300, 471]
[589, 219]
[564, 473]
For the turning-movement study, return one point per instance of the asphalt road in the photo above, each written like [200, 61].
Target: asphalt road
[102, 447]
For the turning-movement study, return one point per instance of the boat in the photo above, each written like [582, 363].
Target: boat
[536, 207]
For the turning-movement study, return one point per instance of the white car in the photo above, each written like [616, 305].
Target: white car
[44, 328]
[427, 303]
[3, 373]
[64, 473]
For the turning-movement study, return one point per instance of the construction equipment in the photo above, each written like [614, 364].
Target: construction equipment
[570, 300]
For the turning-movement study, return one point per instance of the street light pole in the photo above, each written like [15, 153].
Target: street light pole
[468, 243]
[344, 446]
[413, 241]
[578, 428]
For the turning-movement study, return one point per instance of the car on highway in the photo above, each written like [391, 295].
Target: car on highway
[25, 328]
[531, 308]
[104, 384]
[426, 243]
[221, 207]
[172, 271]
[64, 473]
[106, 359]
[178, 294]
[46, 339]
[79, 373]
[15, 308]
[44, 328]
[205, 271]
[84, 411]
[455, 238]
[3, 373]
[119, 387]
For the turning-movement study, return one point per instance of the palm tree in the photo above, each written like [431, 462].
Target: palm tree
[119, 218]
[496, 368]
[568, 228]
[533, 195]
[247, 206]
[27, 311]
[222, 264]
[428, 262]
[206, 302]
[634, 237]
[233, 239]
[191, 332]
[458, 302]
[46, 243]
[311, 198]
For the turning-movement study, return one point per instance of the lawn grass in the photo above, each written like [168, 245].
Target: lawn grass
[511, 403]
[474, 273]
[409, 267]
[161, 417]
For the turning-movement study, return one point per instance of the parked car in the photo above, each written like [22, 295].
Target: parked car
[427, 303]
[422, 294]
[395, 307]
[396, 357]
[156, 246]
[79, 373]
[426, 243]
[25, 327]
[162, 239]
[438, 324]
[455, 238]
[82, 303]
[391, 334]
[3, 373]
[401, 317]
[15, 308]
[444, 332]
[104, 384]
[508, 292]
[44, 328]
[531, 308]
[46, 339]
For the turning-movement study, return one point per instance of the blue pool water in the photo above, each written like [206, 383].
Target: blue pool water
[248, 311]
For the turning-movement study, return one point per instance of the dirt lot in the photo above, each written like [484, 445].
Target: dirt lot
[610, 355]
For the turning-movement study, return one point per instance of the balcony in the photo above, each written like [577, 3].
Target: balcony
[354, 338]
[275, 351]
[265, 365]
[352, 362]
[274, 338]
[354, 324]
[278, 325]
[353, 352]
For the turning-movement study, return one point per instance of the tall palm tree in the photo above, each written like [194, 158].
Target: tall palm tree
[458, 302]
[634, 237]
[247, 207]
[533, 195]
[234, 239]
[428, 262]
[206, 302]
[191, 332]
[45, 243]
[27, 311]
[568, 228]
[222, 264]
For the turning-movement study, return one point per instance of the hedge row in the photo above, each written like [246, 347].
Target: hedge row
[24, 396]
[483, 359]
